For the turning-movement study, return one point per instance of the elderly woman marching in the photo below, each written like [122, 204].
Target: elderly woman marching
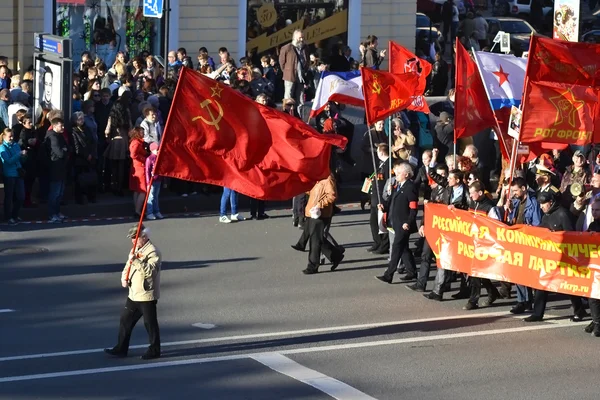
[143, 281]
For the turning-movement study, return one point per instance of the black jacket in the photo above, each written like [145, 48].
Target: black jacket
[403, 207]
[422, 182]
[84, 147]
[380, 178]
[558, 218]
[483, 206]
[56, 149]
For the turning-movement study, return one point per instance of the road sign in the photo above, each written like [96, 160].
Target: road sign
[153, 8]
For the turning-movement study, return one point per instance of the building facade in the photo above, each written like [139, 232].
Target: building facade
[258, 26]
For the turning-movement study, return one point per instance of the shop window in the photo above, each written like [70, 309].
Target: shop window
[270, 24]
[106, 27]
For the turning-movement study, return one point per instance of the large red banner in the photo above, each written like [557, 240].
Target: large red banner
[562, 262]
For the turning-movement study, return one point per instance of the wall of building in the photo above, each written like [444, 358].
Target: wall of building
[17, 43]
[209, 23]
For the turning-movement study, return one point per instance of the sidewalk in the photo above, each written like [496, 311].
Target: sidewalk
[109, 205]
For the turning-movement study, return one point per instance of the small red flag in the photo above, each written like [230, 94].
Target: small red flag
[386, 93]
[216, 135]
[472, 110]
[403, 61]
[559, 113]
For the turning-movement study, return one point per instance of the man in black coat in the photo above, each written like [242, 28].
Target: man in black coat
[557, 219]
[402, 218]
[56, 149]
[594, 326]
[381, 241]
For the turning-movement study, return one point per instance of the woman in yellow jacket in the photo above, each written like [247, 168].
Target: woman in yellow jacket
[404, 141]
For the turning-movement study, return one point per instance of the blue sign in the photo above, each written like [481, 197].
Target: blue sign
[153, 8]
[51, 46]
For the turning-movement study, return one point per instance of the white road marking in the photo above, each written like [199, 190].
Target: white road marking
[264, 335]
[6, 310]
[326, 384]
[204, 326]
[304, 350]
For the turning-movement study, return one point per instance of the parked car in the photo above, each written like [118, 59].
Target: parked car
[522, 9]
[427, 32]
[591, 36]
[520, 33]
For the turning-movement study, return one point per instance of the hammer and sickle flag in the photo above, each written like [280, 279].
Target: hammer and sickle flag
[386, 94]
[216, 135]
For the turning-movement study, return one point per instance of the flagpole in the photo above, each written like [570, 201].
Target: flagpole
[455, 112]
[390, 148]
[158, 158]
[374, 167]
[499, 131]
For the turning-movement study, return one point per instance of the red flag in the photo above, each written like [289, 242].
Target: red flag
[566, 62]
[403, 61]
[472, 109]
[559, 113]
[386, 93]
[419, 104]
[216, 135]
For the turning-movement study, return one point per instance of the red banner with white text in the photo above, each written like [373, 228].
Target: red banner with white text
[562, 262]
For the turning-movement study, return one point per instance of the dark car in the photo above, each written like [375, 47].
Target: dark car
[520, 33]
[591, 36]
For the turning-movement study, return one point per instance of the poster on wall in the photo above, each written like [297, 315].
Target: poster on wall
[48, 86]
[566, 20]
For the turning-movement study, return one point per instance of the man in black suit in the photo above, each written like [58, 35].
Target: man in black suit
[381, 241]
[402, 218]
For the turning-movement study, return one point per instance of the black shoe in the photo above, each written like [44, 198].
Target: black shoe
[150, 356]
[590, 327]
[579, 318]
[401, 270]
[309, 271]
[381, 251]
[415, 287]
[596, 331]
[296, 247]
[408, 277]
[337, 262]
[533, 318]
[471, 306]
[115, 353]
[433, 296]
[262, 216]
[251, 217]
[295, 222]
[383, 278]
[520, 308]
[372, 249]
[461, 295]
[362, 204]
[342, 249]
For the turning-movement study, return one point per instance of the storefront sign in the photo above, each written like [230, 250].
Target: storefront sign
[562, 262]
[266, 15]
[566, 20]
[264, 42]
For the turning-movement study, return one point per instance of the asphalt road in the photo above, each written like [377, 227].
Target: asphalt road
[274, 333]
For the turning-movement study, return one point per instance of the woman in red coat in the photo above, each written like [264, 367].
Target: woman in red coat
[137, 177]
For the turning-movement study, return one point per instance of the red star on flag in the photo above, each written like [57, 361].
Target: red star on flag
[503, 76]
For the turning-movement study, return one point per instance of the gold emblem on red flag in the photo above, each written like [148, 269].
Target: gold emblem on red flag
[214, 120]
[566, 107]
[376, 86]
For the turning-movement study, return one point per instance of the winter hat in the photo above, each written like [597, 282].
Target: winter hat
[153, 146]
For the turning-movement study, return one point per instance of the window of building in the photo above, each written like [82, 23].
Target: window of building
[105, 27]
[270, 24]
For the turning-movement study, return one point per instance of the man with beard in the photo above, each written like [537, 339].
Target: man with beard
[293, 59]
[481, 205]
[557, 219]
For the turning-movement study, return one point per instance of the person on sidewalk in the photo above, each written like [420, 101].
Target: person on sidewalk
[231, 196]
[56, 149]
[153, 183]
[137, 176]
[142, 276]
[594, 326]
[14, 185]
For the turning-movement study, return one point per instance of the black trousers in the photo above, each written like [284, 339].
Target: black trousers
[130, 315]
[476, 284]
[381, 240]
[117, 174]
[595, 310]
[257, 207]
[298, 206]
[318, 243]
[541, 298]
[400, 250]
[426, 259]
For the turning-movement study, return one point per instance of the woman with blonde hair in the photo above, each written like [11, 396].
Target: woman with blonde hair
[404, 141]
